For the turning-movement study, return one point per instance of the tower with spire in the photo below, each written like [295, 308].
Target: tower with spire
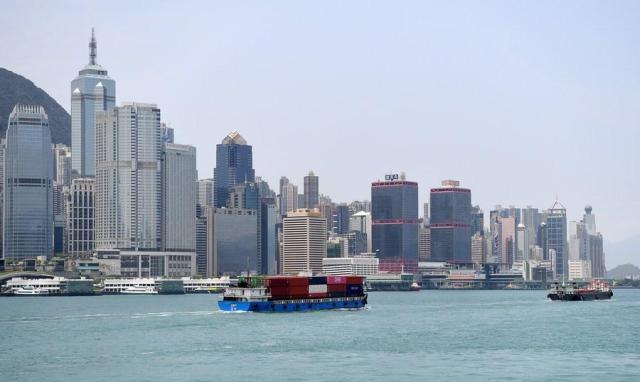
[91, 91]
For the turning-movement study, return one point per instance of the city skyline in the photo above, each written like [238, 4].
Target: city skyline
[579, 175]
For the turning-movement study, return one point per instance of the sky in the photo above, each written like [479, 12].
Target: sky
[523, 102]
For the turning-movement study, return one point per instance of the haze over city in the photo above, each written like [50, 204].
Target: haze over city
[521, 102]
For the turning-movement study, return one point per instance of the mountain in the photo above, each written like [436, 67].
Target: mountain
[622, 252]
[623, 271]
[16, 89]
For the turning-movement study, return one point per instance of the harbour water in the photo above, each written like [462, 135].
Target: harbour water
[427, 335]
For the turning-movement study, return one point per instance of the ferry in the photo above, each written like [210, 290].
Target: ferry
[596, 290]
[30, 291]
[295, 294]
[140, 290]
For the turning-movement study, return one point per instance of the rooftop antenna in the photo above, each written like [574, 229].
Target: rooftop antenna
[93, 49]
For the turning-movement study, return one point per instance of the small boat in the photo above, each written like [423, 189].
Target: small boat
[140, 290]
[30, 291]
[415, 287]
[596, 290]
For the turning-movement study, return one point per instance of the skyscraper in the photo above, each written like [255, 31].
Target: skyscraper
[81, 216]
[288, 196]
[234, 165]
[557, 237]
[179, 197]
[166, 133]
[361, 222]
[28, 185]
[128, 178]
[231, 241]
[304, 242]
[311, 190]
[341, 219]
[205, 195]
[451, 223]
[91, 92]
[394, 213]
[522, 242]
[62, 165]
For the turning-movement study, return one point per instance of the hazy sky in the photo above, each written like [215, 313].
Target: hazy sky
[520, 101]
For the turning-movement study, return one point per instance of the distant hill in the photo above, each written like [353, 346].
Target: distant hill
[623, 271]
[16, 89]
[622, 252]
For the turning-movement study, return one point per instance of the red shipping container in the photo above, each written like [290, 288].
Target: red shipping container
[279, 291]
[355, 280]
[298, 292]
[336, 280]
[336, 288]
[298, 281]
[317, 295]
[276, 282]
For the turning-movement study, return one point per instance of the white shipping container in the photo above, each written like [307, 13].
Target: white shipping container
[321, 288]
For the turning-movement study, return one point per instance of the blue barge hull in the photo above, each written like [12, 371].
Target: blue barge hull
[303, 305]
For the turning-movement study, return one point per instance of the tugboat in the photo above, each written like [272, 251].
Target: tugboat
[596, 290]
[295, 294]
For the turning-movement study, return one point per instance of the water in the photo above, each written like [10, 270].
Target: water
[428, 335]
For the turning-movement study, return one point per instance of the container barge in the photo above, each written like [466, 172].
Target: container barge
[294, 294]
[597, 290]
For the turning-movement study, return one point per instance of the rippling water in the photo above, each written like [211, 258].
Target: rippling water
[428, 335]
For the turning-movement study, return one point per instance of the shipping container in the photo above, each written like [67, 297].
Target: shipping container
[298, 281]
[337, 294]
[336, 280]
[355, 279]
[299, 291]
[317, 280]
[354, 290]
[318, 288]
[336, 287]
[317, 295]
[279, 290]
[276, 282]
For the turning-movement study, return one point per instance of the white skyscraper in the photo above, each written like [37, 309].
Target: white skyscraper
[179, 182]
[205, 195]
[28, 185]
[91, 92]
[522, 243]
[128, 177]
[304, 242]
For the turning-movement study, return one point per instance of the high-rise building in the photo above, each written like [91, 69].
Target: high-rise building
[507, 227]
[531, 218]
[234, 165]
[424, 244]
[91, 92]
[179, 181]
[394, 212]
[205, 195]
[166, 133]
[304, 242]
[451, 223]
[311, 191]
[201, 244]
[2, 155]
[425, 214]
[81, 217]
[341, 219]
[128, 178]
[557, 237]
[361, 222]
[268, 235]
[232, 241]
[28, 185]
[522, 243]
[288, 196]
[478, 249]
[62, 165]
[585, 244]
[477, 220]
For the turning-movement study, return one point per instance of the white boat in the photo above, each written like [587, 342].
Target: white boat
[30, 291]
[140, 290]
